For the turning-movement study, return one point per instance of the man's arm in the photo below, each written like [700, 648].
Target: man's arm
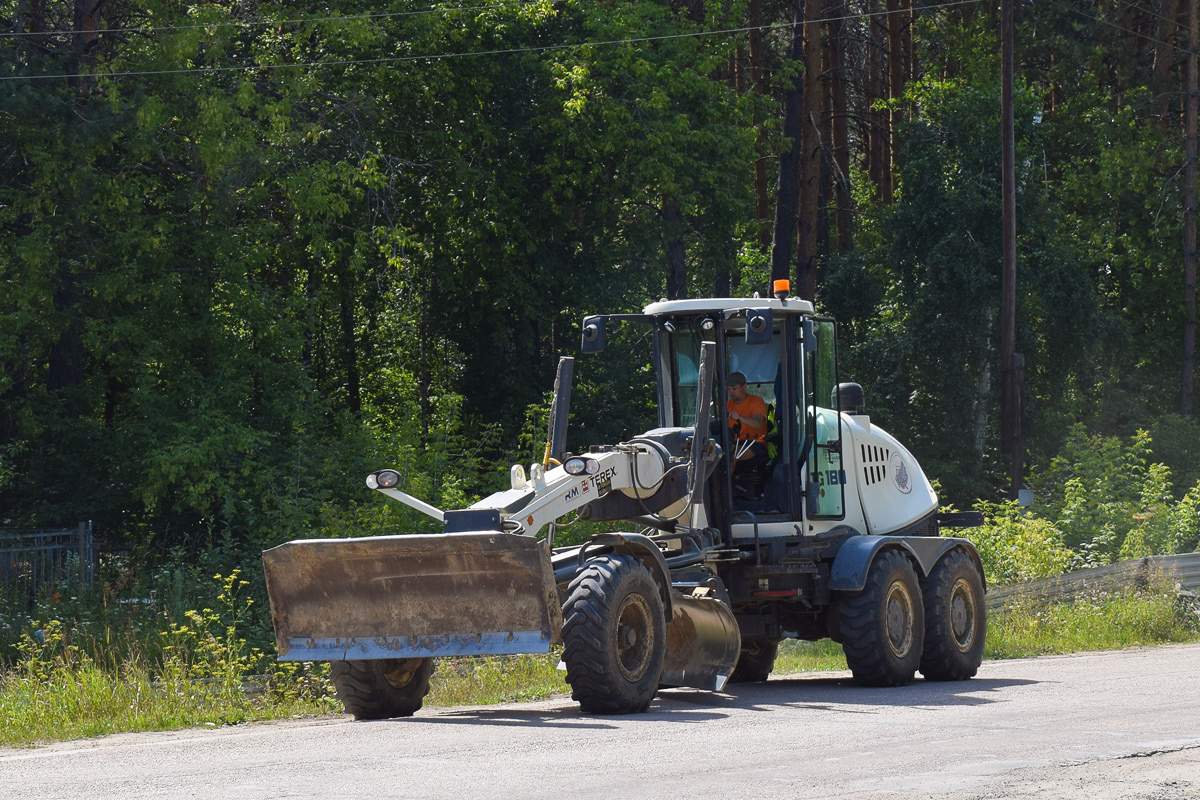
[756, 421]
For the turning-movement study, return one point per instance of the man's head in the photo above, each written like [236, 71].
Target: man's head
[735, 386]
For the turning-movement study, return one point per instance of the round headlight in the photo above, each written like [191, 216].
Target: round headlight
[388, 478]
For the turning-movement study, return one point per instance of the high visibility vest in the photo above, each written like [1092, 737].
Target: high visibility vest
[772, 448]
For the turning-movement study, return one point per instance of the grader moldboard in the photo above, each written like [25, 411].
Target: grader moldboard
[837, 535]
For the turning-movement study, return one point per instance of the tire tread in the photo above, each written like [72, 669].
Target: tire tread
[366, 694]
[596, 683]
[863, 638]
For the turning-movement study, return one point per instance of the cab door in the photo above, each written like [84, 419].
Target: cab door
[825, 490]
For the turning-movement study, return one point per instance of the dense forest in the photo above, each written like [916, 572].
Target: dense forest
[250, 251]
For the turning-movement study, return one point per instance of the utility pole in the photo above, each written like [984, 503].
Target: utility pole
[1189, 220]
[1012, 365]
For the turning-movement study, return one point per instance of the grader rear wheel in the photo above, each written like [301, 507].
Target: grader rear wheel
[614, 636]
[756, 661]
[955, 619]
[382, 688]
[883, 626]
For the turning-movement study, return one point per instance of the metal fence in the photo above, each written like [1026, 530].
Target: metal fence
[33, 562]
[1182, 570]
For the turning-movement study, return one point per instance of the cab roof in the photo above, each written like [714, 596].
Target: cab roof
[791, 305]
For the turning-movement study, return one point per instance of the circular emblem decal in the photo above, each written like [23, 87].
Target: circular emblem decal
[900, 474]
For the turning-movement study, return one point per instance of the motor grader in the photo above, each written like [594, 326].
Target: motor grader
[837, 535]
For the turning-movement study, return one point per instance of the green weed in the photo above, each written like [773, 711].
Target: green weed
[1099, 622]
[483, 681]
[797, 656]
[66, 684]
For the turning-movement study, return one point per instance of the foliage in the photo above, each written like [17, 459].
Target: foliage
[69, 680]
[1018, 547]
[231, 293]
[1101, 500]
[1111, 501]
[209, 646]
[1101, 622]
[243, 265]
[925, 348]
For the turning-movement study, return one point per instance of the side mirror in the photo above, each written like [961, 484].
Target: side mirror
[758, 326]
[593, 334]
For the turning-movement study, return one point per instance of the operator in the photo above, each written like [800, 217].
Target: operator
[746, 416]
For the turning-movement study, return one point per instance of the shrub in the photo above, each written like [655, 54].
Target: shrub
[1016, 546]
[1111, 502]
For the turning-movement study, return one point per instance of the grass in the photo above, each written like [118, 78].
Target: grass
[1099, 622]
[484, 681]
[58, 689]
[796, 657]
[87, 700]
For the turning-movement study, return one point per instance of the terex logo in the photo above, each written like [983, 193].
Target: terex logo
[602, 477]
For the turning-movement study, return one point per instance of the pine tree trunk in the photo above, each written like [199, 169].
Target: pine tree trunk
[1189, 223]
[758, 81]
[840, 130]
[787, 191]
[672, 219]
[877, 158]
[897, 23]
[810, 161]
[349, 342]
[1164, 55]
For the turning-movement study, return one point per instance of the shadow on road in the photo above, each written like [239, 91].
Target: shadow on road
[568, 716]
[690, 706]
[842, 693]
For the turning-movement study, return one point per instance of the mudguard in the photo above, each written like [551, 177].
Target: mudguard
[569, 561]
[849, 572]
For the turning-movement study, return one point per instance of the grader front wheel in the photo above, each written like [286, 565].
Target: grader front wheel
[382, 688]
[614, 636]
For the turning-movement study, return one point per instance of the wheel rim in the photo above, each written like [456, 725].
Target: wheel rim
[399, 672]
[962, 615]
[635, 637]
[899, 618]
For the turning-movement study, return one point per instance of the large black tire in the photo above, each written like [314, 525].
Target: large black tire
[756, 661]
[614, 636]
[883, 626]
[955, 619]
[382, 688]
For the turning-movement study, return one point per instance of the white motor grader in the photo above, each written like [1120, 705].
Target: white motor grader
[837, 535]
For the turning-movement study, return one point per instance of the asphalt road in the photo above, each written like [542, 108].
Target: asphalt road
[1100, 726]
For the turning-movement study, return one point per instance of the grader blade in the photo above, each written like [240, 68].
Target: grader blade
[409, 596]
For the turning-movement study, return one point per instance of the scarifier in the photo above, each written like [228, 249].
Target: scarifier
[837, 535]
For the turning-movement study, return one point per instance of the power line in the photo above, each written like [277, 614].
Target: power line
[1135, 7]
[1123, 29]
[267, 22]
[505, 51]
